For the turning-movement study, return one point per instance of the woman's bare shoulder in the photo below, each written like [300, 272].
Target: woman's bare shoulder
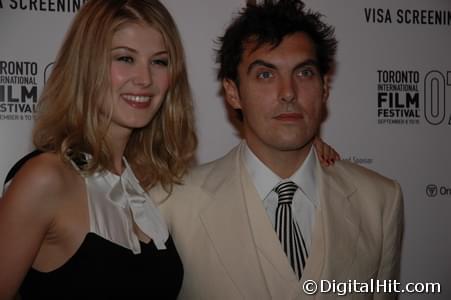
[44, 176]
[28, 210]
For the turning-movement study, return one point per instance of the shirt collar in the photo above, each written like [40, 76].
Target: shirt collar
[265, 180]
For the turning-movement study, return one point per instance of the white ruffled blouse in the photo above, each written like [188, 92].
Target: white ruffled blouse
[116, 203]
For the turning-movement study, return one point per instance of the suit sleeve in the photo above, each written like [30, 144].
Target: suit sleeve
[393, 225]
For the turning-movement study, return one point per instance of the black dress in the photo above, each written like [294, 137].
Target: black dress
[110, 263]
[101, 269]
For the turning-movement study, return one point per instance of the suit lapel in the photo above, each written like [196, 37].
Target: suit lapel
[336, 227]
[227, 223]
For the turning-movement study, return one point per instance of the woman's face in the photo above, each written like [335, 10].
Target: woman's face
[139, 76]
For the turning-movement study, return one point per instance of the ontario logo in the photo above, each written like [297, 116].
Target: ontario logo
[433, 190]
[405, 97]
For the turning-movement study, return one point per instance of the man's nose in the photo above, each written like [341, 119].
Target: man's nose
[287, 90]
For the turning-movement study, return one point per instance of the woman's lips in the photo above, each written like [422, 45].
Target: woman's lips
[137, 101]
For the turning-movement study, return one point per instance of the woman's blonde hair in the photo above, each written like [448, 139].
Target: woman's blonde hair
[69, 121]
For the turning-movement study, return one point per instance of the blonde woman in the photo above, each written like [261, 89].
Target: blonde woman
[115, 119]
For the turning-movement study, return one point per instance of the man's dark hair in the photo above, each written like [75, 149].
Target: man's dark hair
[269, 23]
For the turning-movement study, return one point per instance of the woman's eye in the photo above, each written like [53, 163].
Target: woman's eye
[264, 75]
[160, 62]
[126, 59]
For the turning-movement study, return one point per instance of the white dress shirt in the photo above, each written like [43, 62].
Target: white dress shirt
[305, 200]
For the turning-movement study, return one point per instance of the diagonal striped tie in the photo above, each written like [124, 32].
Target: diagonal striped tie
[287, 228]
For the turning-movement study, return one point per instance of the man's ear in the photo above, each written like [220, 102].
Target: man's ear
[326, 87]
[231, 93]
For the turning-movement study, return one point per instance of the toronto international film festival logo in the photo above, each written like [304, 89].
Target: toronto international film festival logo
[19, 83]
[404, 97]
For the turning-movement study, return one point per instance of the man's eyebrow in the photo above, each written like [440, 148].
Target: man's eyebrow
[308, 62]
[260, 62]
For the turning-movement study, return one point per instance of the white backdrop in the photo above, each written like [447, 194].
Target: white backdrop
[385, 48]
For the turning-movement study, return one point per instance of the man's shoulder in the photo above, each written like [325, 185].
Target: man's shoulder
[200, 173]
[361, 177]
[216, 170]
[199, 185]
[353, 169]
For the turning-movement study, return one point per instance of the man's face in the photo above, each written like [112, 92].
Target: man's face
[281, 95]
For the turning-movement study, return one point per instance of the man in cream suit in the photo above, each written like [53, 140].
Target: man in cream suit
[240, 232]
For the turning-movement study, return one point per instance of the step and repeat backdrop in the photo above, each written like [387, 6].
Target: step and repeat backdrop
[389, 108]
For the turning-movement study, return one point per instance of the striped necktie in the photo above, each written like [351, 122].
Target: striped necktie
[287, 228]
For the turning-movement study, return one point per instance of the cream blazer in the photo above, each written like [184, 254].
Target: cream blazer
[230, 250]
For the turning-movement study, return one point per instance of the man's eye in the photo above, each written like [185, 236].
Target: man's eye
[306, 73]
[264, 75]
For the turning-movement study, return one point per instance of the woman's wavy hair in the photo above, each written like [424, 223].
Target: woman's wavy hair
[69, 120]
